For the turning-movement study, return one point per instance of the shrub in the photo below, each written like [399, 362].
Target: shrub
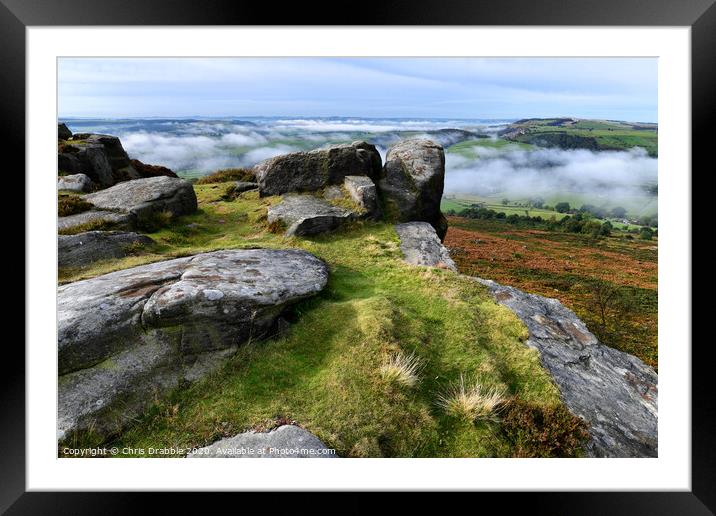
[227, 174]
[646, 233]
[71, 205]
[471, 402]
[537, 431]
[606, 229]
[401, 369]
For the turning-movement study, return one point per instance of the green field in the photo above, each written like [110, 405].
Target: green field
[594, 134]
[519, 207]
[471, 148]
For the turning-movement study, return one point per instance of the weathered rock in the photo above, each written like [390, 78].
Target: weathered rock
[130, 336]
[90, 160]
[364, 193]
[109, 218]
[99, 156]
[421, 246]
[310, 171]
[63, 132]
[85, 248]
[412, 183]
[615, 392]
[286, 441]
[145, 170]
[74, 183]
[305, 215]
[143, 197]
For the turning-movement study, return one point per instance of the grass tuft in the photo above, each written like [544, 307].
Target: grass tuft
[472, 401]
[401, 369]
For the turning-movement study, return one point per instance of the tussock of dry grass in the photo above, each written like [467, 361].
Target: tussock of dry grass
[471, 401]
[401, 369]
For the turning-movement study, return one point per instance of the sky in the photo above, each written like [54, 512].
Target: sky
[468, 88]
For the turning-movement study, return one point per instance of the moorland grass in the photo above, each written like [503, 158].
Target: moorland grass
[326, 372]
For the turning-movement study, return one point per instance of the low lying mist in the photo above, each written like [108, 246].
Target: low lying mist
[608, 175]
[193, 147]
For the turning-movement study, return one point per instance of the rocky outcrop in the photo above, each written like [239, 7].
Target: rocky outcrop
[143, 197]
[75, 183]
[314, 170]
[616, 393]
[364, 194]
[99, 156]
[304, 215]
[411, 183]
[129, 204]
[128, 337]
[421, 246]
[86, 248]
[63, 132]
[286, 441]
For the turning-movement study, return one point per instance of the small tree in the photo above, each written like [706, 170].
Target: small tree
[619, 212]
[561, 207]
[646, 233]
[606, 229]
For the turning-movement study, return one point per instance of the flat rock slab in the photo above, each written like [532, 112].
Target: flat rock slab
[74, 183]
[86, 248]
[142, 197]
[421, 246]
[286, 441]
[615, 392]
[116, 220]
[127, 337]
[316, 169]
[305, 215]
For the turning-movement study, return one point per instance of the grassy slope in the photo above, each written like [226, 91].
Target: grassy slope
[325, 372]
[608, 134]
[566, 266]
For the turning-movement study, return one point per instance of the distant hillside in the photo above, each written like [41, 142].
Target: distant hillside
[574, 133]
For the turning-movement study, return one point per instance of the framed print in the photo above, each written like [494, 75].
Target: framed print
[425, 246]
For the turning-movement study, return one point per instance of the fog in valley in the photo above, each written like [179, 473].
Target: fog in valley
[195, 147]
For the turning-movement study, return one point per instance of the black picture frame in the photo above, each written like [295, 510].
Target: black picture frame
[700, 15]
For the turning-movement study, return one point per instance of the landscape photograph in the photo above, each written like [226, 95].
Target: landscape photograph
[357, 257]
